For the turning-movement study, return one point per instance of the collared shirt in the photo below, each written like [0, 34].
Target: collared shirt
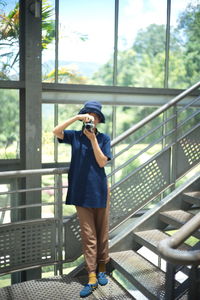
[87, 182]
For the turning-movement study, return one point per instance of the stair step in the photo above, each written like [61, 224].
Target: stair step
[62, 288]
[141, 273]
[192, 197]
[151, 239]
[177, 218]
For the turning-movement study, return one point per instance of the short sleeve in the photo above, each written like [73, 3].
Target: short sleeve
[106, 149]
[68, 137]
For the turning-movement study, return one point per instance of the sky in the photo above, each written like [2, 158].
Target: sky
[91, 17]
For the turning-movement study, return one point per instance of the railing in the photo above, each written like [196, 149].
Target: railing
[152, 155]
[168, 247]
[168, 251]
[137, 182]
[171, 129]
[37, 242]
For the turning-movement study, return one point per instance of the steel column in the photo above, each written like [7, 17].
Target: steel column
[30, 109]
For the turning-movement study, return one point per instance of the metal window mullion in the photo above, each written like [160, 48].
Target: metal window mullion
[59, 217]
[55, 140]
[56, 72]
[167, 47]
[56, 38]
[115, 82]
[166, 71]
[115, 43]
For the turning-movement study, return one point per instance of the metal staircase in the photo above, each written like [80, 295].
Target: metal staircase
[148, 231]
[152, 193]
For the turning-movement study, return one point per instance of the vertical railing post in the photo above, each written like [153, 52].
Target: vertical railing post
[194, 283]
[113, 165]
[59, 218]
[170, 282]
[173, 173]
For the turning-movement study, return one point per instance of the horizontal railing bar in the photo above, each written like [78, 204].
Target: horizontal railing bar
[141, 152]
[29, 206]
[154, 114]
[29, 222]
[55, 262]
[188, 132]
[167, 247]
[187, 119]
[145, 135]
[188, 105]
[24, 173]
[31, 190]
[26, 206]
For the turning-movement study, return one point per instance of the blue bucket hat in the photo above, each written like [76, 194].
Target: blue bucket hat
[93, 107]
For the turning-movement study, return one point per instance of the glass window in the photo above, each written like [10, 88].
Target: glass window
[141, 43]
[9, 120]
[48, 41]
[184, 61]
[9, 40]
[5, 202]
[47, 135]
[86, 39]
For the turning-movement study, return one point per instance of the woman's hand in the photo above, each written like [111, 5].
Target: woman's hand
[90, 135]
[85, 118]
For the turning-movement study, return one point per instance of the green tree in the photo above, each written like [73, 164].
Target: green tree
[66, 75]
[142, 64]
[188, 25]
[9, 119]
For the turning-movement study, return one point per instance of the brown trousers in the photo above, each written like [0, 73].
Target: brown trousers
[94, 223]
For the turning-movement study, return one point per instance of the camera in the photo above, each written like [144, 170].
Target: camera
[88, 126]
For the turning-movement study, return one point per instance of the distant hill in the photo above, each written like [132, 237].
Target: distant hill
[84, 68]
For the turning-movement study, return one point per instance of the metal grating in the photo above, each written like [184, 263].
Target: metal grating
[175, 217]
[73, 246]
[135, 191]
[61, 288]
[26, 244]
[151, 239]
[145, 276]
[188, 152]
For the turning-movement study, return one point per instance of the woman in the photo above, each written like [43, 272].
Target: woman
[88, 188]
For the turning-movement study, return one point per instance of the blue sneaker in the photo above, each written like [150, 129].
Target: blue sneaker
[88, 289]
[102, 279]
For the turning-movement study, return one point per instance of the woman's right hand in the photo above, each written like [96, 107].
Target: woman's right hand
[85, 118]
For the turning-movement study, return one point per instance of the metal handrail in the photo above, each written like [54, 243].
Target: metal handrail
[154, 114]
[24, 173]
[167, 247]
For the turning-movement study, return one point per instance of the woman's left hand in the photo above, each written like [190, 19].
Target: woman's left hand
[90, 135]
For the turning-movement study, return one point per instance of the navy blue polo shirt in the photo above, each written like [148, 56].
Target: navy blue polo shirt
[87, 182]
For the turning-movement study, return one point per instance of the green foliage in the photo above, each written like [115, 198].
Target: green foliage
[9, 35]
[66, 75]
[189, 24]
[9, 120]
[143, 64]
[48, 25]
